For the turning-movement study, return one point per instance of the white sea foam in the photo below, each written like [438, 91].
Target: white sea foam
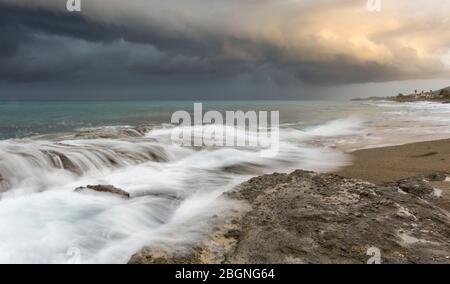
[339, 127]
[174, 189]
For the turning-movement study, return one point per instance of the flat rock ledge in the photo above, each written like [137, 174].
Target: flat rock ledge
[104, 189]
[306, 217]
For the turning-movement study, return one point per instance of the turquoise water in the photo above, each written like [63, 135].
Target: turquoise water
[22, 119]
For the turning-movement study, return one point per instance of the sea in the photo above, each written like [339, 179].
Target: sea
[50, 148]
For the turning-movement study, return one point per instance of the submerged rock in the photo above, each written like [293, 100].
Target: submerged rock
[62, 161]
[306, 217]
[4, 184]
[104, 189]
[112, 133]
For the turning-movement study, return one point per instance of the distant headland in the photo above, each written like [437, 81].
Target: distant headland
[442, 95]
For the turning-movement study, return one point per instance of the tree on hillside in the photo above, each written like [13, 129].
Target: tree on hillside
[444, 94]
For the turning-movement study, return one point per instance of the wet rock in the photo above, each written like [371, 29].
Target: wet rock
[243, 169]
[306, 217]
[112, 133]
[4, 184]
[438, 176]
[162, 256]
[104, 189]
[62, 161]
[415, 185]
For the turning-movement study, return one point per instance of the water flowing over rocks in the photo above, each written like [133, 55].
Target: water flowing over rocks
[114, 133]
[3, 184]
[104, 189]
[28, 160]
[306, 217]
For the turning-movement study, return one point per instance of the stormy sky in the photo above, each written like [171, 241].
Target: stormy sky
[221, 49]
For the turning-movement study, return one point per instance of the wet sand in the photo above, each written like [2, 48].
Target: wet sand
[387, 164]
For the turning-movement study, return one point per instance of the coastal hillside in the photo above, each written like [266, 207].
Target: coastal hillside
[442, 95]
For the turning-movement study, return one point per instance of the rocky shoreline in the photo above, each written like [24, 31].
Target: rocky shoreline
[440, 96]
[307, 217]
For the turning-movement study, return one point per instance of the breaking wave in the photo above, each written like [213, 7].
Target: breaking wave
[173, 188]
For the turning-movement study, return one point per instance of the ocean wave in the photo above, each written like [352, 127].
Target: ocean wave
[338, 127]
[173, 191]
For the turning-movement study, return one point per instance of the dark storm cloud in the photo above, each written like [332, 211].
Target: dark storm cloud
[27, 53]
[194, 42]
[38, 20]
[41, 45]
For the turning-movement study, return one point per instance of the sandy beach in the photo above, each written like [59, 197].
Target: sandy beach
[388, 164]
[393, 163]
